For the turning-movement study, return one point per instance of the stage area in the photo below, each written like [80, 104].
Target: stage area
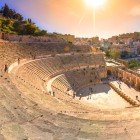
[101, 96]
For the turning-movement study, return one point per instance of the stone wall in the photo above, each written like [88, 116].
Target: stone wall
[129, 77]
[30, 39]
[124, 62]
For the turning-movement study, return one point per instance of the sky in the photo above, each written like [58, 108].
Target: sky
[77, 18]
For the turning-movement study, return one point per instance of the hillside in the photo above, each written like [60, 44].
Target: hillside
[13, 23]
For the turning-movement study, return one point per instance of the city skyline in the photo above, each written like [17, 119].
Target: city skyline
[75, 17]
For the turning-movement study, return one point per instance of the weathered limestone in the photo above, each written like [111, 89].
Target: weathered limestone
[128, 76]
[30, 39]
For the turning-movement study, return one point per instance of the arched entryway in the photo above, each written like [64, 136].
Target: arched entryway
[109, 73]
[2, 36]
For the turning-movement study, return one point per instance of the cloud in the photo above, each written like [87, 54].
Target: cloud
[135, 11]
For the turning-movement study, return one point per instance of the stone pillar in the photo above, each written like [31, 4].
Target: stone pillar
[123, 75]
[137, 82]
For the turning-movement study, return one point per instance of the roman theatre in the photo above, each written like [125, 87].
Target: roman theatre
[65, 96]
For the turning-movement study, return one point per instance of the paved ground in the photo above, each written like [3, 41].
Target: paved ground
[103, 97]
[32, 115]
[128, 90]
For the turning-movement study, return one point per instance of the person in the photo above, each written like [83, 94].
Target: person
[90, 95]
[50, 92]
[34, 56]
[31, 54]
[53, 94]
[80, 96]
[74, 95]
[5, 68]
[120, 86]
[89, 88]
[125, 130]
[18, 61]
[137, 98]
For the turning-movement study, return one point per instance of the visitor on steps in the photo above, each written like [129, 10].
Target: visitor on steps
[5, 68]
[18, 61]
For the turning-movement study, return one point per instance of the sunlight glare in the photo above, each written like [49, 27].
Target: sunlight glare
[94, 3]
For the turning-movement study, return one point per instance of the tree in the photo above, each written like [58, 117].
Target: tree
[112, 54]
[124, 54]
[5, 10]
[18, 17]
[133, 64]
[18, 27]
[6, 23]
[41, 33]
[115, 54]
[30, 29]
[29, 20]
[107, 53]
[9, 13]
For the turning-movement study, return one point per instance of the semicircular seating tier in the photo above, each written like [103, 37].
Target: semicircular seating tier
[61, 75]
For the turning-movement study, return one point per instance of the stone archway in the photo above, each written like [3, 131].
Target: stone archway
[109, 73]
[2, 36]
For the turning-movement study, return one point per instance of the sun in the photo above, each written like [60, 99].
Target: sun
[94, 3]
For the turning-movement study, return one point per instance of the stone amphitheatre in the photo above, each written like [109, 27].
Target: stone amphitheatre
[48, 94]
